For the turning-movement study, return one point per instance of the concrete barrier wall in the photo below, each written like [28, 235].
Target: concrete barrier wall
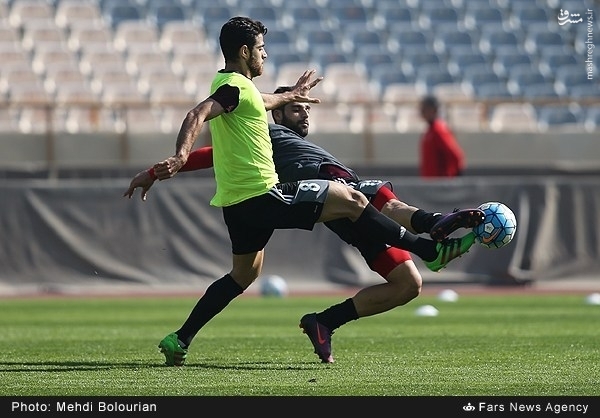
[82, 232]
[534, 150]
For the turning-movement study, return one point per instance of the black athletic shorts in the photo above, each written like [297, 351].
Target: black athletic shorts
[295, 205]
[368, 247]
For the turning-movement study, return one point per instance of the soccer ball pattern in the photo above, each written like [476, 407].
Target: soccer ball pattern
[273, 286]
[499, 226]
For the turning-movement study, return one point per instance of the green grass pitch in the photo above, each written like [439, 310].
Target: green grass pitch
[481, 345]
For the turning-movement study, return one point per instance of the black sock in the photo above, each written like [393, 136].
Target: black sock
[422, 221]
[375, 224]
[215, 299]
[424, 248]
[337, 315]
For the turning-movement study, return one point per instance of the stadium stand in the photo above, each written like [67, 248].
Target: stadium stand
[455, 42]
[513, 117]
[162, 12]
[592, 118]
[30, 12]
[491, 90]
[375, 120]
[506, 61]
[408, 119]
[442, 19]
[71, 13]
[117, 12]
[560, 117]
[453, 92]
[497, 50]
[466, 117]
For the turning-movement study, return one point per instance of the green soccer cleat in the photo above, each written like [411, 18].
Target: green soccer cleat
[171, 347]
[449, 249]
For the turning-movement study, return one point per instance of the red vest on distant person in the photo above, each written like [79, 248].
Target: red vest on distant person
[441, 155]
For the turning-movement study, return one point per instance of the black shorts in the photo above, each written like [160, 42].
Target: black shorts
[296, 205]
[368, 247]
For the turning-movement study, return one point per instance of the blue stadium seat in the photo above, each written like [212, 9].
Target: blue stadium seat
[104, 4]
[587, 90]
[365, 39]
[545, 39]
[519, 79]
[325, 55]
[439, 18]
[115, 13]
[248, 3]
[268, 15]
[372, 58]
[306, 17]
[386, 74]
[485, 17]
[528, 17]
[458, 61]
[516, 5]
[449, 41]
[549, 64]
[428, 79]
[492, 40]
[570, 76]
[592, 119]
[349, 15]
[394, 15]
[417, 60]
[277, 36]
[279, 54]
[492, 90]
[410, 61]
[213, 13]
[164, 11]
[504, 62]
[212, 17]
[481, 73]
[553, 116]
[538, 91]
[404, 39]
[316, 38]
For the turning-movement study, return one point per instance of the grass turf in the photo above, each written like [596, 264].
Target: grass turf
[481, 345]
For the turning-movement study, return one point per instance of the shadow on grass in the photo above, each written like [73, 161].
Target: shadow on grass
[57, 366]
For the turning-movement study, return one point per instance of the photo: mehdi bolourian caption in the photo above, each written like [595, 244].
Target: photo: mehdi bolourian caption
[88, 406]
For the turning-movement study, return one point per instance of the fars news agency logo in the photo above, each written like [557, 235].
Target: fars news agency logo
[468, 407]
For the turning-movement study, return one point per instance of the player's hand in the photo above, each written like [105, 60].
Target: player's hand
[142, 180]
[303, 86]
[167, 169]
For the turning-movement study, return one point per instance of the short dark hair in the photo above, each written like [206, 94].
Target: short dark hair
[430, 101]
[281, 89]
[239, 31]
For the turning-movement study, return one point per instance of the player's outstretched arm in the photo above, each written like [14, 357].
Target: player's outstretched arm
[142, 180]
[199, 159]
[299, 92]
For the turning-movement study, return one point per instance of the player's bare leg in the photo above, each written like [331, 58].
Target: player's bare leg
[400, 212]
[403, 285]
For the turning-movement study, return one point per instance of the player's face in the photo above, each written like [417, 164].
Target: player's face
[256, 61]
[295, 116]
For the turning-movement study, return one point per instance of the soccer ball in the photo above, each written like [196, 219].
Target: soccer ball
[499, 226]
[273, 285]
